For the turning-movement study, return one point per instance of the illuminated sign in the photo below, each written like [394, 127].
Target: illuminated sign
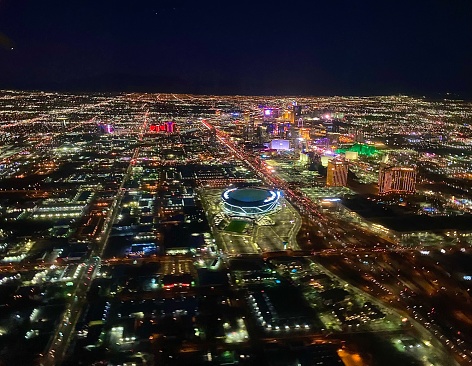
[280, 144]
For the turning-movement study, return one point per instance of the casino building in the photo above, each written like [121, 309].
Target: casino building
[249, 202]
[397, 179]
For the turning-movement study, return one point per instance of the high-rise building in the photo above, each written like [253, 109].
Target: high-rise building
[337, 173]
[270, 113]
[325, 159]
[170, 126]
[248, 131]
[261, 135]
[282, 129]
[296, 113]
[396, 179]
[352, 155]
[106, 128]
[385, 159]
[304, 159]
[305, 133]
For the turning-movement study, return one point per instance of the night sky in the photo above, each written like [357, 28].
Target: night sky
[248, 47]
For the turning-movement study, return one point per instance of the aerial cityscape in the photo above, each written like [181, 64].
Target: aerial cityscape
[252, 183]
[175, 229]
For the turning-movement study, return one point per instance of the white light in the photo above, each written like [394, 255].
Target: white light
[226, 193]
[273, 195]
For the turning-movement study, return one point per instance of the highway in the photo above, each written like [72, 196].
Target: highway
[339, 236]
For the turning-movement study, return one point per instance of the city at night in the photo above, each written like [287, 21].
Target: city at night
[209, 184]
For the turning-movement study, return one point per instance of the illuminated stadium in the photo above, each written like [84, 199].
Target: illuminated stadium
[249, 201]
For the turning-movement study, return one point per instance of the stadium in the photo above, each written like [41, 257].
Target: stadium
[249, 202]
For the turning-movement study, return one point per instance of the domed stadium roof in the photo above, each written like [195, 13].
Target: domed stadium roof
[250, 201]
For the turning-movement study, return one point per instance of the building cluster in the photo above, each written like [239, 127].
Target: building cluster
[164, 229]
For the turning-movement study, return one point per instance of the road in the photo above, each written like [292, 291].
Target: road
[345, 238]
[64, 333]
